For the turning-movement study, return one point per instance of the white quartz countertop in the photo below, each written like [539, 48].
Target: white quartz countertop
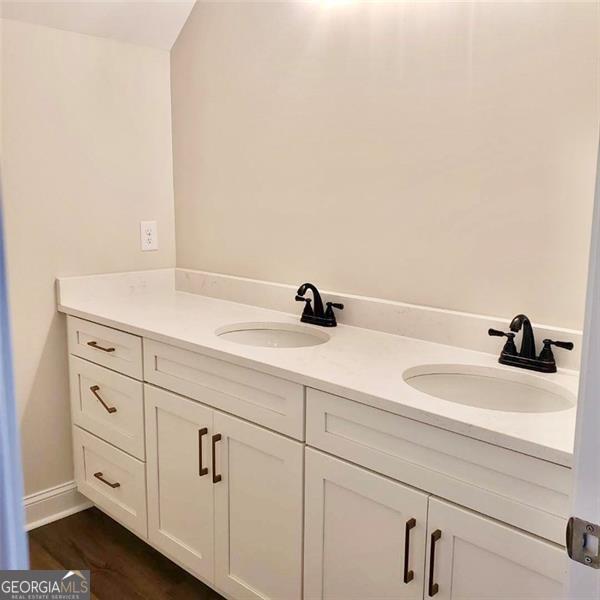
[361, 364]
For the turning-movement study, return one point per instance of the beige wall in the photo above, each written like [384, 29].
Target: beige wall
[435, 153]
[86, 156]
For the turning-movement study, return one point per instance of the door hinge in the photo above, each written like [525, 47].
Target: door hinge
[582, 542]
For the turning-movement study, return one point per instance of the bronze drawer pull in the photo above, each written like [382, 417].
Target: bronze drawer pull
[409, 575]
[94, 344]
[99, 476]
[201, 470]
[433, 587]
[95, 389]
[215, 438]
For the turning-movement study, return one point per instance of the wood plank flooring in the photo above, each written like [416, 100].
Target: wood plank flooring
[122, 566]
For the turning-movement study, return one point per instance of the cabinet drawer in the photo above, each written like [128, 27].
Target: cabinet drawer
[108, 405]
[270, 401]
[111, 348]
[113, 480]
[529, 493]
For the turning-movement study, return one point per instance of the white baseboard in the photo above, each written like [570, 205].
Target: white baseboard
[53, 504]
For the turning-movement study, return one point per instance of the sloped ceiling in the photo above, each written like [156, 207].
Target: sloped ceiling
[143, 22]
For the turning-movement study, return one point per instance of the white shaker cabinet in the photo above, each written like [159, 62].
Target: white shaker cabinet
[180, 488]
[365, 534]
[472, 557]
[225, 498]
[258, 512]
[352, 514]
[357, 524]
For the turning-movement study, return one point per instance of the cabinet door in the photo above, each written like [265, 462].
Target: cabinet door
[356, 529]
[258, 512]
[180, 488]
[477, 558]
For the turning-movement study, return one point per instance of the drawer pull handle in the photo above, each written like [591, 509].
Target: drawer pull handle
[201, 470]
[215, 438]
[409, 575]
[109, 409]
[99, 476]
[433, 587]
[94, 344]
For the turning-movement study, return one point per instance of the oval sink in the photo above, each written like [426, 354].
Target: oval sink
[272, 335]
[491, 388]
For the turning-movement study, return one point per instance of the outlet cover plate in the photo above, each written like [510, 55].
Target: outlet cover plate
[148, 235]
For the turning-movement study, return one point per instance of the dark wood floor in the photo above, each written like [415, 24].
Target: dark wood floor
[122, 566]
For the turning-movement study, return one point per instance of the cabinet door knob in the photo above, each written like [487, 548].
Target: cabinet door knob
[215, 438]
[201, 470]
[433, 587]
[95, 389]
[409, 575]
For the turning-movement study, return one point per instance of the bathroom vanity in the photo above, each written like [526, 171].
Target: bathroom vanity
[312, 472]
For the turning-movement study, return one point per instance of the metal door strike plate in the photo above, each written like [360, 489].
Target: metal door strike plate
[582, 542]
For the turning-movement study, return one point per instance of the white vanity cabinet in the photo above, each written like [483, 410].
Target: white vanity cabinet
[224, 498]
[477, 558]
[107, 414]
[371, 538]
[258, 512]
[365, 534]
[474, 556]
[372, 506]
[180, 488]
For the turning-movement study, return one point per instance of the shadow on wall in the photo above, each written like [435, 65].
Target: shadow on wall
[43, 417]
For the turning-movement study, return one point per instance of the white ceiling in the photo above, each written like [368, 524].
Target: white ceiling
[153, 23]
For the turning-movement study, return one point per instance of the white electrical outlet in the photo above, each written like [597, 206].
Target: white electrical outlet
[148, 235]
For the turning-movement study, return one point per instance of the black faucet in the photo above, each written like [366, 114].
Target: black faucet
[317, 315]
[526, 358]
[527, 339]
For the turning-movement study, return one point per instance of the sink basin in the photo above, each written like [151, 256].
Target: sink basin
[491, 388]
[272, 335]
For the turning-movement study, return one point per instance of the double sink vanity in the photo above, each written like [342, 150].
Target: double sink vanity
[282, 460]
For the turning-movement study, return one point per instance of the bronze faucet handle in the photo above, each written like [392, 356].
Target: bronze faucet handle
[563, 345]
[497, 333]
[509, 347]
